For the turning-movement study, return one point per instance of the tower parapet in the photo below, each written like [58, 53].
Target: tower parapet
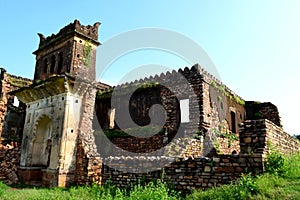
[90, 32]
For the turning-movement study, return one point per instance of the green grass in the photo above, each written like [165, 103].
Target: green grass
[155, 191]
[276, 184]
[281, 182]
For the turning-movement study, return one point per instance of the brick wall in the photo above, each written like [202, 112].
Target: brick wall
[187, 174]
[139, 145]
[203, 173]
[88, 161]
[257, 135]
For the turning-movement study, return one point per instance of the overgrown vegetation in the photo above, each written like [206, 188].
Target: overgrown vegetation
[223, 132]
[271, 185]
[222, 89]
[276, 163]
[281, 181]
[154, 190]
[17, 81]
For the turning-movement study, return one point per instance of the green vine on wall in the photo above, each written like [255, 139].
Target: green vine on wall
[87, 53]
[227, 134]
[223, 90]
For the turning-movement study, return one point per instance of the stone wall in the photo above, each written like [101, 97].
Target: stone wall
[258, 136]
[88, 162]
[229, 145]
[188, 174]
[211, 104]
[167, 90]
[139, 145]
[12, 116]
[255, 139]
[281, 140]
[256, 110]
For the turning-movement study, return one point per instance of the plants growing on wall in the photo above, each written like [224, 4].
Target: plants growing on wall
[225, 92]
[223, 132]
[87, 53]
[18, 82]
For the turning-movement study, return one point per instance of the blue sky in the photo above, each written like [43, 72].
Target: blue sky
[255, 45]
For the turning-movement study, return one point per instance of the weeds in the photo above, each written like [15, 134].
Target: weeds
[280, 183]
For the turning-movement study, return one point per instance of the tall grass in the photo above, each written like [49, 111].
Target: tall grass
[155, 191]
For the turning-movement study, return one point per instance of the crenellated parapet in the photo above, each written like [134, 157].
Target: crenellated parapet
[89, 32]
[189, 73]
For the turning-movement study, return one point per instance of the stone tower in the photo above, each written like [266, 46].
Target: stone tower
[71, 51]
[58, 146]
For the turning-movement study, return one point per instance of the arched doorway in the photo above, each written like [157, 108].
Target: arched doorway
[42, 142]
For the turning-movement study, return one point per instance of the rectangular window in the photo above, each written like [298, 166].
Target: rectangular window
[185, 110]
[233, 122]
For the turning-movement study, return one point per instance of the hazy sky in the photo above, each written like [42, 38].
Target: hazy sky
[255, 44]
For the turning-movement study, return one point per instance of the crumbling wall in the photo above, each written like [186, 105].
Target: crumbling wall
[256, 110]
[9, 162]
[11, 116]
[212, 106]
[88, 161]
[167, 90]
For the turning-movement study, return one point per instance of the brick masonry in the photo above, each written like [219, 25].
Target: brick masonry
[203, 173]
[199, 173]
[257, 136]
[60, 118]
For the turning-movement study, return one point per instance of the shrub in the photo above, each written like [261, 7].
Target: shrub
[276, 163]
[247, 182]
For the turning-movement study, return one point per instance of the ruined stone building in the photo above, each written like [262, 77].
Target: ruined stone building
[56, 122]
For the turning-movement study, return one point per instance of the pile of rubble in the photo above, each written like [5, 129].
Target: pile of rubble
[9, 161]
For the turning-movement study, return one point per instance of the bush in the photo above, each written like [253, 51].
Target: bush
[248, 183]
[276, 163]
